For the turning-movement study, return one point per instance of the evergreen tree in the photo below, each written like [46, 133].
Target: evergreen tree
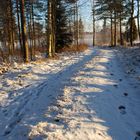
[134, 30]
[63, 37]
[81, 29]
[23, 31]
[7, 25]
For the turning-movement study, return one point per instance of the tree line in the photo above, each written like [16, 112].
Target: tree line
[121, 15]
[28, 26]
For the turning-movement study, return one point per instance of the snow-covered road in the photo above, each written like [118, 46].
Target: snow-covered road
[90, 99]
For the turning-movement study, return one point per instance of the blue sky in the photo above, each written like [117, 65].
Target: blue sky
[85, 11]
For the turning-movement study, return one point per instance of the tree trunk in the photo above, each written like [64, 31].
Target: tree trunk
[74, 20]
[30, 31]
[138, 15]
[51, 27]
[77, 19]
[10, 27]
[93, 24]
[121, 39]
[34, 34]
[115, 29]
[24, 36]
[131, 24]
[18, 25]
[111, 30]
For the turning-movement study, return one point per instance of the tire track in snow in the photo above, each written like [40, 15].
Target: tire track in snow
[19, 112]
[105, 122]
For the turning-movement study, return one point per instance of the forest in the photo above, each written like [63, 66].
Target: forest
[31, 26]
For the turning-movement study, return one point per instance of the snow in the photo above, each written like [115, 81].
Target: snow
[82, 96]
[131, 61]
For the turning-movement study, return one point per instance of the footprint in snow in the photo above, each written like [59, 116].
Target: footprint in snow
[100, 134]
[57, 120]
[120, 80]
[90, 117]
[116, 86]
[111, 74]
[135, 86]
[122, 109]
[125, 94]
[137, 135]
[5, 112]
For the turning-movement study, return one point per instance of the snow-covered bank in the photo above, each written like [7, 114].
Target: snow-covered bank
[130, 58]
[85, 96]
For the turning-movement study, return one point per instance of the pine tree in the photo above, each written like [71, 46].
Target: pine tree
[51, 27]
[131, 34]
[138, 18]
[23, 30]
[81, 29]
[63, 37]
[7, 26]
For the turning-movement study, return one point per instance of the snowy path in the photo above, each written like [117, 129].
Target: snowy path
[91, 99]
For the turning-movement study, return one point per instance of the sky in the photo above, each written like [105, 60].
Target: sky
[85, 12]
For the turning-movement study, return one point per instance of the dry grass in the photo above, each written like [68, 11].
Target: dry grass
[4, 67]
[75, 48]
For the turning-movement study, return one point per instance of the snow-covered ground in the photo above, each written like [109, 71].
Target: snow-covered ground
[130, 58]
[86, 96]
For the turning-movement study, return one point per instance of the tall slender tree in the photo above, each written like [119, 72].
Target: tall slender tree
[24, 33]
[94, 31]
[131, 22]
[138, 17]
[51, 27]
[63, 34]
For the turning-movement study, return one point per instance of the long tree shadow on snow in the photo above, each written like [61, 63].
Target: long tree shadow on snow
[101, 103]
[49, 89]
